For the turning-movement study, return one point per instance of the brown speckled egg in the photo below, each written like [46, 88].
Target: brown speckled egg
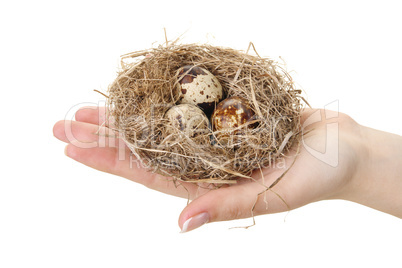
[187, 118]
[229, 115]
[198, 86]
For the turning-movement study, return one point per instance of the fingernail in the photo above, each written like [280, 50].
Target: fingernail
[65, 150]
[195, 222]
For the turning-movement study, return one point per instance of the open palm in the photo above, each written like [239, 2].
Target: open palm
[309, 179]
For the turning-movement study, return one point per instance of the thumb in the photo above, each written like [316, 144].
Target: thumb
[229, 203]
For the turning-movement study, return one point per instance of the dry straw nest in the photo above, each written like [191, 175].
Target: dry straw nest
[146, 87]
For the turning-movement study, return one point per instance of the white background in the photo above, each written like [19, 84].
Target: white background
[55, 212]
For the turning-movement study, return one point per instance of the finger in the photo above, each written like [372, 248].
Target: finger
[111, 160]
[91, 114]
[95, 147]
[89, 135]
[119, 161]
[235, 202]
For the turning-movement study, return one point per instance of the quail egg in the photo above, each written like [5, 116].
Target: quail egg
[229, 115]
[198, 86]
[187, 118]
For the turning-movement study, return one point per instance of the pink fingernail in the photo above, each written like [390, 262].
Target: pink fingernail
[65, 150]
[195, 222]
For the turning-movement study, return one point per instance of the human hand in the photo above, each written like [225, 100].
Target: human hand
[309, 179]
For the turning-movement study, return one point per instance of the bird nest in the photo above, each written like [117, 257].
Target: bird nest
[147, 87]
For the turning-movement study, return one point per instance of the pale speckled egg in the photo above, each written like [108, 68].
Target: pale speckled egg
[230, 114]
[198, 86]
[187, 118]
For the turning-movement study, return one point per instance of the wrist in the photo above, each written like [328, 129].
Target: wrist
[377, 182]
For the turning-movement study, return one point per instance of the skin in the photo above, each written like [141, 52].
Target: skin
[368, 170]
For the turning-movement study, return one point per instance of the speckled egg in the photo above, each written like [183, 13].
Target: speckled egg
[229, 115]
[187, 118]
[198, 86]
